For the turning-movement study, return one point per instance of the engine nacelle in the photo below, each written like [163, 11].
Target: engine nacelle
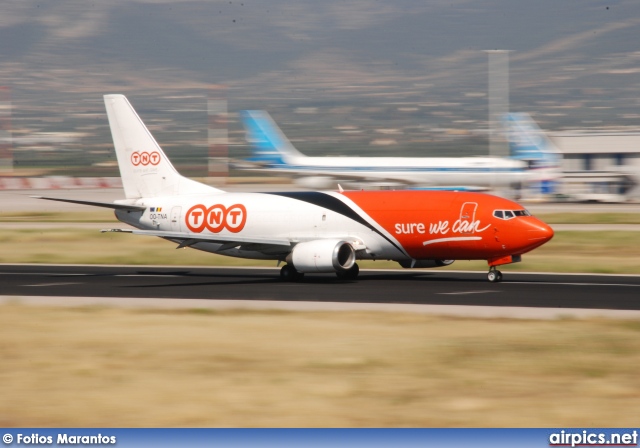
[425, 263]
[322, 256]
[316, 182]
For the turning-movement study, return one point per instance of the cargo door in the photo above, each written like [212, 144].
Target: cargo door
[467, 217]
[175, 219]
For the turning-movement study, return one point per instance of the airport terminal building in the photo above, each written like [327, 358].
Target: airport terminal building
[599, 166]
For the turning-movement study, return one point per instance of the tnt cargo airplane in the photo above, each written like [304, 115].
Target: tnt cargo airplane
[274, 152]
[310, 231]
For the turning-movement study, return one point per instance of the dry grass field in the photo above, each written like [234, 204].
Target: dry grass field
[68, 367]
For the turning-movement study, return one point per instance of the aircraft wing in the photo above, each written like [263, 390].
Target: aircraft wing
[228, 242]
[112, 205]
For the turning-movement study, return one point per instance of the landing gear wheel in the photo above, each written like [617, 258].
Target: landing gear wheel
[349, 274]
[289, 274]
[494, 276]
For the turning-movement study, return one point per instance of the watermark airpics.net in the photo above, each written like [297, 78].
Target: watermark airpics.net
[593, 438]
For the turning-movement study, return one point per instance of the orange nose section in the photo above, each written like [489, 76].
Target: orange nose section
[539, 232]
[535, 234]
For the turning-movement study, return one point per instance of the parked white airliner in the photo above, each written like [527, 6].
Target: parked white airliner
[273, 151]
[310, 231]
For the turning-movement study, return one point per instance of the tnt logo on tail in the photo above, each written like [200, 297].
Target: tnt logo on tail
[145, 158]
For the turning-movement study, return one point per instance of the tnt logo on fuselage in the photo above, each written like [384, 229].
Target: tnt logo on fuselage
[216, 218]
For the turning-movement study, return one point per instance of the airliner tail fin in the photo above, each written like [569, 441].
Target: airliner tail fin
[529, 143]
[144, 167]
[268, 142]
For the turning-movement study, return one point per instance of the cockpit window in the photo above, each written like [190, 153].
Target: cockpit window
[510, 214]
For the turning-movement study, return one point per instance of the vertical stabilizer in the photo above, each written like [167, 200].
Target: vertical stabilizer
[529, 143]
[268, 142]
[145, 169]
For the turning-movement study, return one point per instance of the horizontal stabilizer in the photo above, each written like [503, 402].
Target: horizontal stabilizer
[111, 205]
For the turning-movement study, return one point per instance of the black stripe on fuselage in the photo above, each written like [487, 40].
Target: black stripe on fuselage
[335, 205]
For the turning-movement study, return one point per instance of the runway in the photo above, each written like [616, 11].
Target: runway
[420, 288]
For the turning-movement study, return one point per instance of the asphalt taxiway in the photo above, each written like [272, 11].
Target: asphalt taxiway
[557, 294]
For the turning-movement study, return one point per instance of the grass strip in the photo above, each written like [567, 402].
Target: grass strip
[569, 251]
[96, 367]
[97, 215]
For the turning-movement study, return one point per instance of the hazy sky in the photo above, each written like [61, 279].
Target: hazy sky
[220, 41]
[561, 50]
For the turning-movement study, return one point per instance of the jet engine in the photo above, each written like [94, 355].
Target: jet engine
[425, 263]
[316, 182]
[331, 255]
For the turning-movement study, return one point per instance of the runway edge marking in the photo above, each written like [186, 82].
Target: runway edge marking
[486, 312]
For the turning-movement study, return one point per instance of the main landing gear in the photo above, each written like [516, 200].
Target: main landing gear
[349, 274]
[494, 276]
[289, 274]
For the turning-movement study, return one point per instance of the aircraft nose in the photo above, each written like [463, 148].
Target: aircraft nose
[540, 232]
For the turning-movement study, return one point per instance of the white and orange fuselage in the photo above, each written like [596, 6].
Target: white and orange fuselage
[385, 225]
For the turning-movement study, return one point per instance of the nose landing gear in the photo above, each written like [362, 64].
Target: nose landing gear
[494, 276]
